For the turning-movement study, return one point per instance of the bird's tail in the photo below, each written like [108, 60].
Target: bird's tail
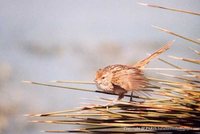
[142, 63]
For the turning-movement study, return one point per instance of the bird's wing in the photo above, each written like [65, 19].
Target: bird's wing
[129, 79]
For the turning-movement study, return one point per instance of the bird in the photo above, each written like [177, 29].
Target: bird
[120, 79]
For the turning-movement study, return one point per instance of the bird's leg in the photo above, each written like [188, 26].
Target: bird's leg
[120, 96]
[115, 100]
[110, 103]
[131, 98]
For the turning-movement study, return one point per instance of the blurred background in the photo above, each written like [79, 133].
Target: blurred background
[44, 40]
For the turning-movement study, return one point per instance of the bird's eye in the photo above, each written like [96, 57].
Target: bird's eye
[103, 77]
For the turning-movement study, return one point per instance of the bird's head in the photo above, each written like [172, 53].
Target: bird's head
[103, 80]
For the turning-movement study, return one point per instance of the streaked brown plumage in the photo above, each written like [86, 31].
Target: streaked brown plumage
[119, 79]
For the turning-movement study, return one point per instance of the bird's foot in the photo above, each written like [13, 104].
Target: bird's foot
[111, 103]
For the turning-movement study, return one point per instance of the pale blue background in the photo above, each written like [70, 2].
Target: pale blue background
[44, 40]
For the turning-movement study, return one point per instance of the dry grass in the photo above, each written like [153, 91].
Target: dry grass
[178, 106]
[170, 9]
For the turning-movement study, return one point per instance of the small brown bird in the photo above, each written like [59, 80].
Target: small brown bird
[119, 79]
